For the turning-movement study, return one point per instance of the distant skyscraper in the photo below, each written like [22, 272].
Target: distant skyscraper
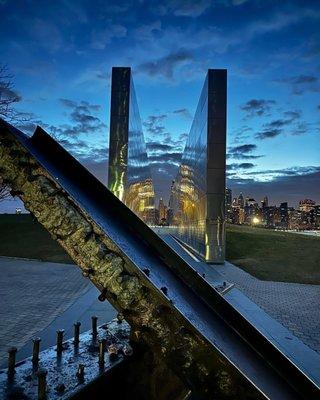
[162, 211]
[241, 200]
[306, 205]
[228, 198]
[264, 202]
[284, 217]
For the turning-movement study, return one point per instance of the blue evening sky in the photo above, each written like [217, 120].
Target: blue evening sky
[61, 54]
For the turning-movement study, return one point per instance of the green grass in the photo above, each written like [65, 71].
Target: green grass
[265, 254]
[20, 236]
[274, 256]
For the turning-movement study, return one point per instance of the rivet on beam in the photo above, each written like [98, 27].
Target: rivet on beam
[102, 349]
[60, 333]
[120, 318]
[127, 350]
[113, 352]
[103, 295]
[36, 350]
[12, 360]
[42, 384]
[87, 272]
[76, 340]
[80, 372]
[94, 320]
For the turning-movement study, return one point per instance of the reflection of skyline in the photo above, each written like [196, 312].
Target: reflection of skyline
[129, 174]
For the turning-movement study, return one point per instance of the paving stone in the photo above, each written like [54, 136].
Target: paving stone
[294, 305]
[33, 294]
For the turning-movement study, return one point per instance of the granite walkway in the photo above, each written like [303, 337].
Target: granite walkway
[296, 306]
[34, 294]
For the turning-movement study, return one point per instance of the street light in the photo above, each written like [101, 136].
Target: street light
[255, 220]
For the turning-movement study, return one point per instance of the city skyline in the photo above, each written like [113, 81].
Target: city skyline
[62, 55]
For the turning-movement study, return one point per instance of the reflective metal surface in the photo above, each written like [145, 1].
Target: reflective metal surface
[129, 172]
[198, 191]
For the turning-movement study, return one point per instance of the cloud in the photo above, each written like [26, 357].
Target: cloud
[154, 124]
[81, 113]
[241, 152]
[286, 185]
[293, 115]
[156, 146]
[148, 31]
[100, 38]
[173, 158]
[278, 123]
[183, 8]
[184, 112]
[236, 166]
[257, 107]
[300, 84]
[165, 66]
[267, 134]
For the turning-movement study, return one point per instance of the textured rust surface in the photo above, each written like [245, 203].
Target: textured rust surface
[154, 320]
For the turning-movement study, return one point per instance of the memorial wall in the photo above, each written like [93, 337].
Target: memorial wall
[129, 174]
[198, 193]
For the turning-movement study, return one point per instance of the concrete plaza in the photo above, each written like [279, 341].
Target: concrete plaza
[37, 298]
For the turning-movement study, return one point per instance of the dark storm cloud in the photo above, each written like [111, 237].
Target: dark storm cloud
[165, 66]
[301, 83]
[267, 134]
[257, 107]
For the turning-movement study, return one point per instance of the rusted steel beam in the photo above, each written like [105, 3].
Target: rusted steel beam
[109, 244]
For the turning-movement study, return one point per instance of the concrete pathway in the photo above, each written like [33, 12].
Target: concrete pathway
[296, 306]
[39, 297]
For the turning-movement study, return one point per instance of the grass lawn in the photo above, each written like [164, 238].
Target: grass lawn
[20, 236]
[274, 256]
[265, 254]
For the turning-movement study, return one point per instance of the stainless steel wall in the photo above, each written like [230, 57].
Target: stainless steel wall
[129, 174]
[199, 188]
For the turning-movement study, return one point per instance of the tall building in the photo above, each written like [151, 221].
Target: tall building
[228, 198]
[162, 212]
[284, 216]
[199, 212]
[129, 174]
[306, 205]
[241, 200]
[264, 202]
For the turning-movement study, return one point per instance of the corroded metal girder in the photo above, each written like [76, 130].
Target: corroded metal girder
[169, 308]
